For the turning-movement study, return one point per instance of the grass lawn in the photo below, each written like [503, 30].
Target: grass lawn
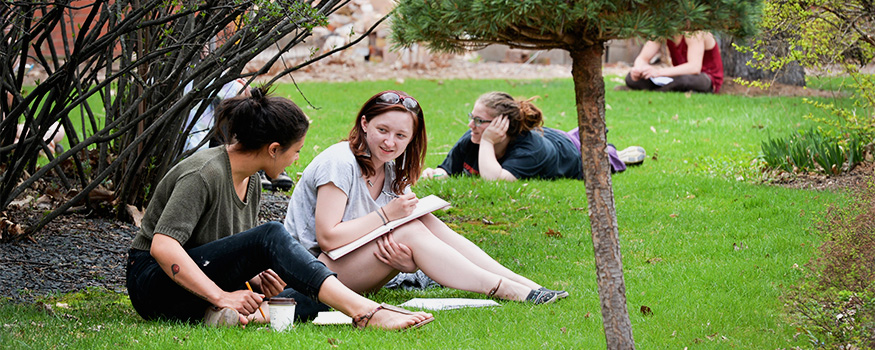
[705, 247]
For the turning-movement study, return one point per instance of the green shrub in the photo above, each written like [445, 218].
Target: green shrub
[835, 303]
[813, 151]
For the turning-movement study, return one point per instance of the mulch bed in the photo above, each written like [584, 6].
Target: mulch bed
[77, 251]
[856, 178]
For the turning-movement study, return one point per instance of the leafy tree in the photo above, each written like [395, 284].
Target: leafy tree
[581, 28]
[737, 63]
[837, 36]
[130, 59]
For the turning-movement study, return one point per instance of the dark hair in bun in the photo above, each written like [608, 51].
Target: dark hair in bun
[261, 119]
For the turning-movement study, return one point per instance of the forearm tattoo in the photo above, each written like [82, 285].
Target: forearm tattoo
[174, 269]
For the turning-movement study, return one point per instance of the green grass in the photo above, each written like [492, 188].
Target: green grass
[833, 83]
[704, 246]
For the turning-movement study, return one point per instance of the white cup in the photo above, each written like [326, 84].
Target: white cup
[282, 313]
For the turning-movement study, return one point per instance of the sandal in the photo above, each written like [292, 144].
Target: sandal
[494, 290]
[361, 321]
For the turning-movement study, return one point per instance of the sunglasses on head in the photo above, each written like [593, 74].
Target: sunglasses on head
[393, 98]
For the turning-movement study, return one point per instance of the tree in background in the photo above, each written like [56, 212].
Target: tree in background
[832, 36]
[131, 60]
[741, 63]
[824, 36]
[581, 28]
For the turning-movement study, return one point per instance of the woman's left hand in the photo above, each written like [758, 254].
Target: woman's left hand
[270, 283]
[496, 131]
[396, 255]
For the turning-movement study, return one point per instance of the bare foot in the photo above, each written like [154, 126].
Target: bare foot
[261, 316]
[393, 318]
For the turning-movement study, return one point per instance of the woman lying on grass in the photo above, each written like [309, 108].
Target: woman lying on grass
[199, 244]
[355, 186]
[506, 141]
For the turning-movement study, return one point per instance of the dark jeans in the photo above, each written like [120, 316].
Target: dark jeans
[694, 82]
[229, 262]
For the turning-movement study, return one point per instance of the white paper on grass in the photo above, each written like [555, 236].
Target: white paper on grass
[661, 81]
[447, 303]
[331, 317]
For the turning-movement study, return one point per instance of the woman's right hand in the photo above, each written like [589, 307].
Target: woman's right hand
[244, 301]
[496, 131]
[401, 206]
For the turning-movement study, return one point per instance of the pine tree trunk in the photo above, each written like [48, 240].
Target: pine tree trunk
[735, 63]
[589, 88]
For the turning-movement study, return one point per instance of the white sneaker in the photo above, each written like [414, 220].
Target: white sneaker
[632, 155]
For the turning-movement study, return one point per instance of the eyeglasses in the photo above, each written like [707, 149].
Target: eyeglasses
[392, 98]
[477, 120]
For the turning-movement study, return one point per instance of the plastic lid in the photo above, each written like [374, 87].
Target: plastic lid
[281, 301]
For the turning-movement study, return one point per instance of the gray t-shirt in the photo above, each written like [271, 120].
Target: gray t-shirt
[196, 203]
[336, 165]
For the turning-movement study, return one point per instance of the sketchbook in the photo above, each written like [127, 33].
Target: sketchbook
[424, 206]
[661, 81]
[448, 303]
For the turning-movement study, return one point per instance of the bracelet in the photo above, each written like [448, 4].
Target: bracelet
[384, 214]
[381, 217]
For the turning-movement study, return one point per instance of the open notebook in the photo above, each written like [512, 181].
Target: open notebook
[424, 206]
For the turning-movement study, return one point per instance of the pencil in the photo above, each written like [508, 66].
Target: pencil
[259, 308]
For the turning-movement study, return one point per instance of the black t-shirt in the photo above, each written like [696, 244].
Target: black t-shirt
[531, 155]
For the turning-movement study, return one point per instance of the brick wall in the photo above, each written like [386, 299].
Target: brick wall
[72, 20]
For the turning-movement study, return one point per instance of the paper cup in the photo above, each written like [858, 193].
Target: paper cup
[282, 313]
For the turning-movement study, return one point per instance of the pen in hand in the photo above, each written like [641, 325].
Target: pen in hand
[390, 194]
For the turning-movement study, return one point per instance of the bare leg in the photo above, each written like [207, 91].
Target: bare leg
[363, 271]
[360, 270]
[472, 252]
[335, 294]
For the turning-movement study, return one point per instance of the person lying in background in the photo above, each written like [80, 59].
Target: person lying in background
[507, 141]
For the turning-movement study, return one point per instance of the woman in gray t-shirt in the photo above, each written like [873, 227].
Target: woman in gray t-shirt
[357, 186]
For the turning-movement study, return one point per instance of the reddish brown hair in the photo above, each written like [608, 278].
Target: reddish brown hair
[522, 115]
[411, 160]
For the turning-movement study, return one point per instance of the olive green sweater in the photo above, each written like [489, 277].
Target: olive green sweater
[195, 203]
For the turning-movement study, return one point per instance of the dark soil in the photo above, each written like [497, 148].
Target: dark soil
[77, 251]
[775, 89]
[855, 178]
